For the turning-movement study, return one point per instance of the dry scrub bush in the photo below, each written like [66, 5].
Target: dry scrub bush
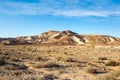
[2, 61]
[37, 58]
[102, 58]
[95, 70]
[92, 70]
[49, 77]
[47, 65]
[70, 59]
[15, 67]
[112, 63]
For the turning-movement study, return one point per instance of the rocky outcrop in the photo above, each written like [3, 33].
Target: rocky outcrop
[101, 39]
[10, 41]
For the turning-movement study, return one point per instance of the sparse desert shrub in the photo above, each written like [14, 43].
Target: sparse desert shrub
[15, 67]
[34, 50]
[47, 65]
[6, 53]
[107, 77]
[38, 58]
[92, 70]
[102, 58]
[49, 77]
[112, 63]
[66, 79]
[2, 61]
[79, 65]
[66, 53]
[70, 59]
[52, 65]
[95, 70]
[22, 67]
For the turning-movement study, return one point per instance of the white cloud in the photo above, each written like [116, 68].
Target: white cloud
[80, 13]
[52, 7]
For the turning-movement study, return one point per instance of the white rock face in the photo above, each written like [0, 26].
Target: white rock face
[55, 35]
[77, 40]
[111, 39]
[28, 38]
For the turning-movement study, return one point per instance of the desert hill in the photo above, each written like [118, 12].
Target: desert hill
[62, 38]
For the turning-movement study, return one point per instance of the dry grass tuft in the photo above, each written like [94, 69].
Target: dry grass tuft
[2, 61]
[95, 70]
[49, 77]
[112, 63]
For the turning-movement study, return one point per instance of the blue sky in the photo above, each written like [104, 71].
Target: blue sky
[32, 17]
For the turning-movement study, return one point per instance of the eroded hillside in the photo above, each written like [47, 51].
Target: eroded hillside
[63, 38]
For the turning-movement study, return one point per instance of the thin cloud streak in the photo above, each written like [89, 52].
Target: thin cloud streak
[80, 13]
[18, 8]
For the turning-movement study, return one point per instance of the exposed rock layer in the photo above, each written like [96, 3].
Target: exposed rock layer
[62, 38]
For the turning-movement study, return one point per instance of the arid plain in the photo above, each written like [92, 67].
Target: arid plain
[71, 62]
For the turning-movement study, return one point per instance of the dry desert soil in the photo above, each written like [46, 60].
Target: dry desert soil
[73, 62]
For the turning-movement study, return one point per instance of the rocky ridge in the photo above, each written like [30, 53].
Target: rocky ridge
[62, 38]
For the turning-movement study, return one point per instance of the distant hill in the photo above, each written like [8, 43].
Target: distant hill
[62, 38]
